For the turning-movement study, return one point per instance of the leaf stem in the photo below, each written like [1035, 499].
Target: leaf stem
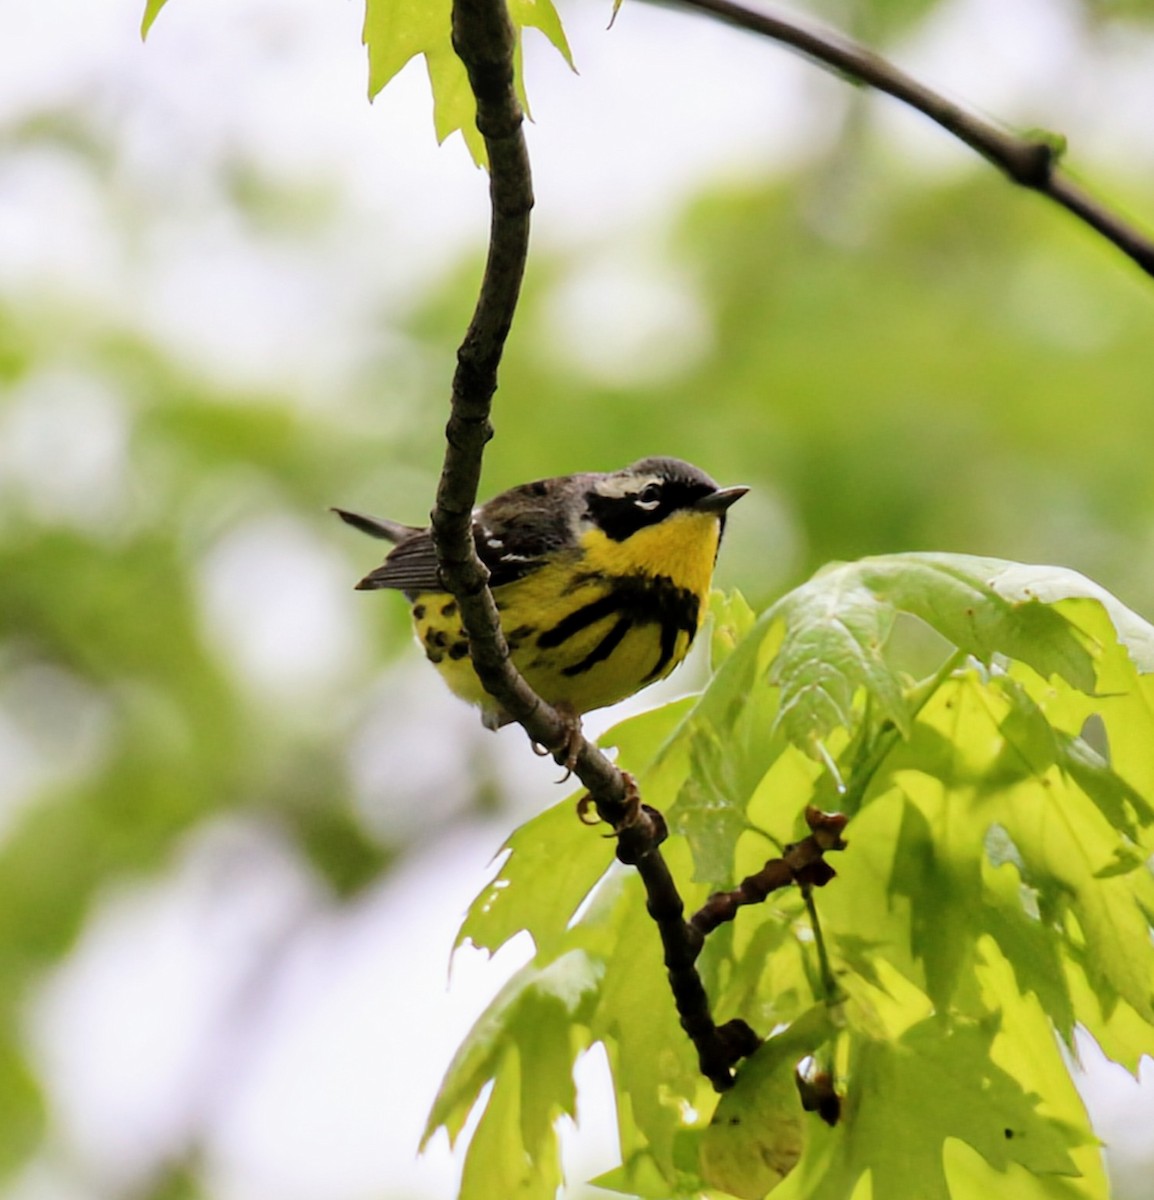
[829, 984]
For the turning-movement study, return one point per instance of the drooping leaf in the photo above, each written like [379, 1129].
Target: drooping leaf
[552, 862]
[909, 1097]
[151, 12]
[396, 31]
[540, 1007]
[542, 15]
[499, 1156]
[759, 1129]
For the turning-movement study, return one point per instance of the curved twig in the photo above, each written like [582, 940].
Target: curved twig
[1030, 162]
[484, 39]
[802, 863]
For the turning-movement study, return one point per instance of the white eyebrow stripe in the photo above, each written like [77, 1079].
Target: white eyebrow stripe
[615, 487]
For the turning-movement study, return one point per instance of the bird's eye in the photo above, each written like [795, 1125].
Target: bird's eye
[649, 497]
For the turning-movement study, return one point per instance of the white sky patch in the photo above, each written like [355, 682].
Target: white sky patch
[221, 295]
[53, 229]
[64, 448]
[136, 1032]
[1122, 1110]
[629, 321]
[420, 757]
[53, 727]
[1008, 63]
[359, 1029]
[278, 603]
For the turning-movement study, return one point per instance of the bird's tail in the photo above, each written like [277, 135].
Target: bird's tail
[378, 527]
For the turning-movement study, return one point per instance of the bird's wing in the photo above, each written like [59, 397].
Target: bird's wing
[519, 530]
[411, 567]
[514, 534]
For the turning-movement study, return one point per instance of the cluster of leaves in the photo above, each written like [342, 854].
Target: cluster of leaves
[994, 897]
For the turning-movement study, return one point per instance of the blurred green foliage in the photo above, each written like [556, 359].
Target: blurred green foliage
[892, 365]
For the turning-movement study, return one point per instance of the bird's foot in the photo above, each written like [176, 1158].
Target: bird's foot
[631, 809]
[567, 753]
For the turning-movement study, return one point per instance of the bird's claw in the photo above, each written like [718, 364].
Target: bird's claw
[567, 753]
[631, 807]
[570, 750]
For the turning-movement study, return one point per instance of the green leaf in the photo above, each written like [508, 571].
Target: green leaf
[837, 623]
[1009, 771]
[151, 12]
[710, 809]
[654, 1066]
[939, 877]
[993, 891]
[732, 619]
[539, 1008]
[396, 31]
[550, 858]
[499, 1162]
[1031, 946]
[908, 1097]
[1121, 1034]
[642, 1179]
[835, 630]
[552, 862]
[1026, 1048]
[454, 107]
[759, 1130]
[543, 16]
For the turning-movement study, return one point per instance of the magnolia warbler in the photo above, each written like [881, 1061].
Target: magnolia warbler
[600, 579]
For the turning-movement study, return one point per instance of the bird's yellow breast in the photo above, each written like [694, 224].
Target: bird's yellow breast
[595, 623]
[682, 548]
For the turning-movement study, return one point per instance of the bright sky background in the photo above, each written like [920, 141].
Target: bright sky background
[340, 1025]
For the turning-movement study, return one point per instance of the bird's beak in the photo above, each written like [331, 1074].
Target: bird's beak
[717, 502]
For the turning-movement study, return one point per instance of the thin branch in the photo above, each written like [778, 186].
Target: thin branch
[718, 1047]
[802, 863]
[484, 40]
[1030, 162]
